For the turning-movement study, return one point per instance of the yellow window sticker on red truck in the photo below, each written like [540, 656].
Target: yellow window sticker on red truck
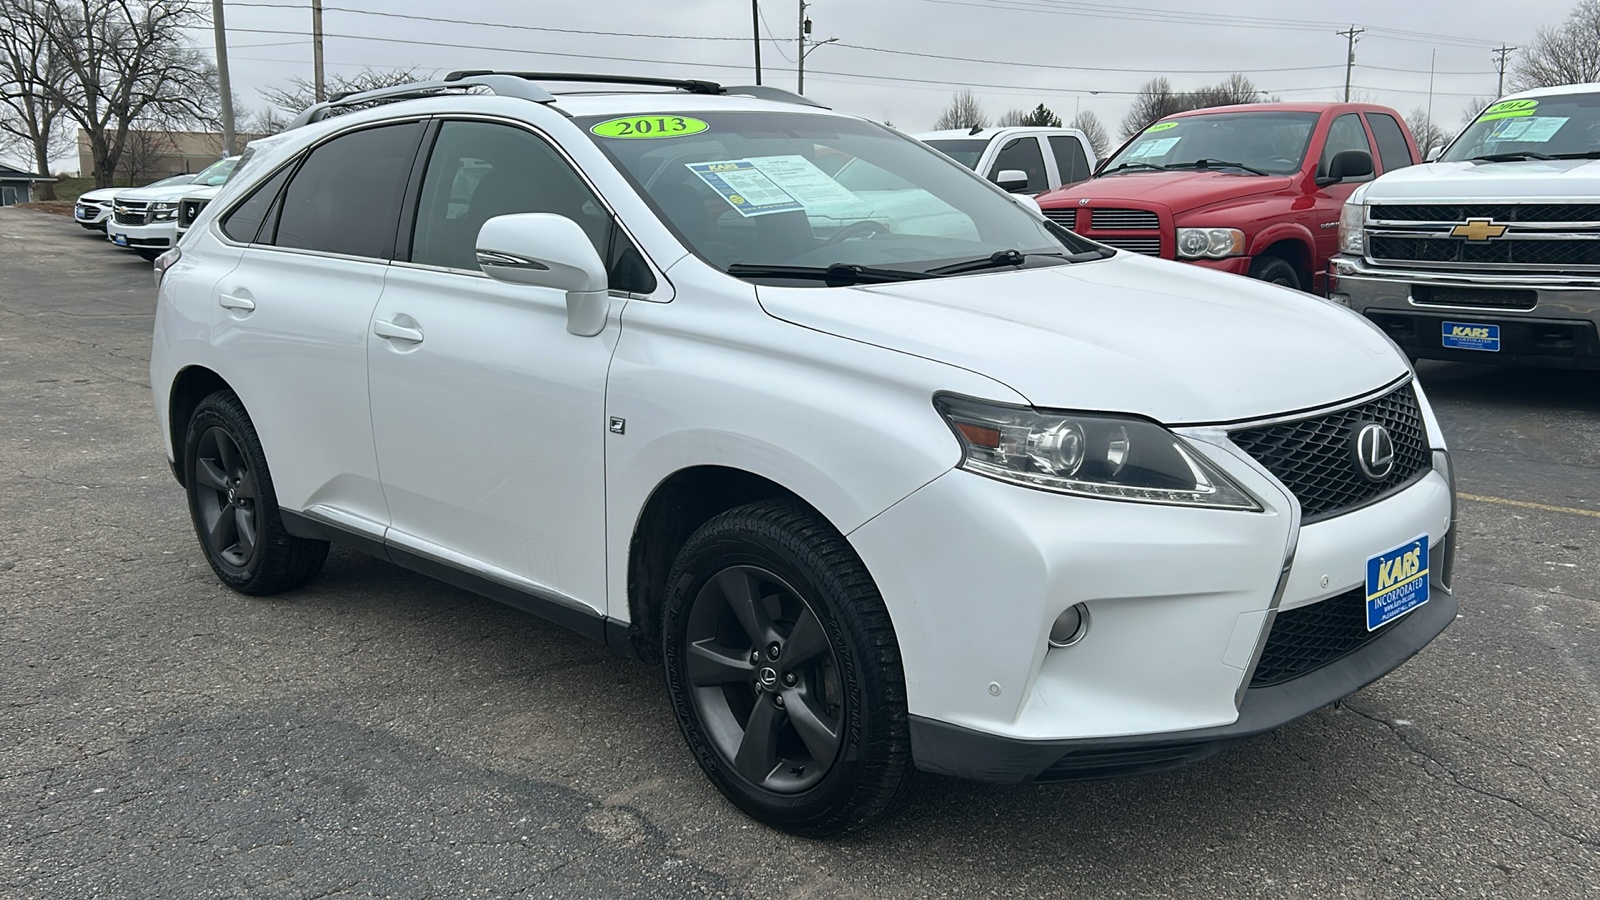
[649, 127]
[1160, 126]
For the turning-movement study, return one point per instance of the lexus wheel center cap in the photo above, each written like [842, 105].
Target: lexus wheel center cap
[1373, 449]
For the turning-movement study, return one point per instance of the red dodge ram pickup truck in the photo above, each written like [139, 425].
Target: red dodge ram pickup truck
[1253, 190]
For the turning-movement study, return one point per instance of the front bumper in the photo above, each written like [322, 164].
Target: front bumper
[152, 236]
[1233, 265]
[90, 215]
[1181, 603]
[1556, 325]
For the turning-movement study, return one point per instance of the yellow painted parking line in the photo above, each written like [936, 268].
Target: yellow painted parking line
[1530, 505]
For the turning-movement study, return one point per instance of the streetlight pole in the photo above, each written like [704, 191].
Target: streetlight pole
[755, 29]
[220, 31]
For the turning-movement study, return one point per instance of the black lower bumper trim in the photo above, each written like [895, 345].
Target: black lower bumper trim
[1550, 343]
[946, 749]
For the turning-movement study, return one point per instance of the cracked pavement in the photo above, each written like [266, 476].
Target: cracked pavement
[378, 734]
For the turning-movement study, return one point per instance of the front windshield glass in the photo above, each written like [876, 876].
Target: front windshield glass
[962, 151]
[1563, 126]
[760, 189]
[1271, 142]
[172, 180]
[216, 173]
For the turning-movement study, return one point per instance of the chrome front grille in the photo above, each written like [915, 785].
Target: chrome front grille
[1124, 220]
[1314, 458]
[1545, 238]
[1066, 218]
[131, 212]
[189, 210]
[1447, 213]
[1519, 250]
[1149, 246]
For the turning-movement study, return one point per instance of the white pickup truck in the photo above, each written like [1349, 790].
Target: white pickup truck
[1491, 253]
[1021, 159]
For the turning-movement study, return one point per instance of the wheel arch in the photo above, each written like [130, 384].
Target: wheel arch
[1292, 244]
[189, 387]
[679, 505]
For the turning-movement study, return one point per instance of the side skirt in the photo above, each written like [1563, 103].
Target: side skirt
[615, 634]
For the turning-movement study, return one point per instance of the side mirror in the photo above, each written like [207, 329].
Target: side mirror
[1434, 152]
[1347, 164]
[550, 251]
[1012, 180]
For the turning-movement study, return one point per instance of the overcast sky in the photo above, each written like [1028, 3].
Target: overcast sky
[1289, 49]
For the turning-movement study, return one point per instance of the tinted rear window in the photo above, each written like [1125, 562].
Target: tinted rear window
[346, 197]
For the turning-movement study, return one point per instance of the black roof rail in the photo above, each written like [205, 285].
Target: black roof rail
[690, 85]
[778, 95]
[499, 83]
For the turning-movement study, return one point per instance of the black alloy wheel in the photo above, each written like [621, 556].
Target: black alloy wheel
[765, 681]
[784, 670]
[233, 507]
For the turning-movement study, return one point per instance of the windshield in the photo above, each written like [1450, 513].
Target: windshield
[753, 190]
[216, 173]
[171, 180]
[1272, 143]
[965, 152]
[1560, 126]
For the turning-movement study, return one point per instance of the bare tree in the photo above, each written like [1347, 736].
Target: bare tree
[1425, 130]
[128, 64]
[1040, 116]
[964, 111]
[30, 117]
[1011, 117]
[1089, 123]
[142, 150]
[1156, 100]
[1471, 111]
[299, 93]
[1566, 54]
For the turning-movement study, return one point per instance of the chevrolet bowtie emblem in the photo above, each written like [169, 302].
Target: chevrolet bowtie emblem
[1478, 230]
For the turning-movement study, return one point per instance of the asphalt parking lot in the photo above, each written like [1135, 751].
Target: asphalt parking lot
[379, 734]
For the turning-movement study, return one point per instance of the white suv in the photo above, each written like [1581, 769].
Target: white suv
[908, 477]
[1021, 159]
[145, 220]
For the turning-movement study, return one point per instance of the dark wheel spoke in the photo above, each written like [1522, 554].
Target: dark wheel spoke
[223, 531]
[758, 751]
[228, 454]
[818, 730]
[742, 592]
[210, 474]
[246, 488]
[806, 642]
[245, 525]
[710, 664]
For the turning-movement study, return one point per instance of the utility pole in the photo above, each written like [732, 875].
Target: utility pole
[316, 50]
[755, 28]
[220, 30]
[1503, 51]
[1350, 61]
[806, 45]
[1433, 62]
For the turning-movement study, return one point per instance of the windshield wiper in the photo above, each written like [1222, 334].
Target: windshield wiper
[1513, 156]
[1587, 154]
[838, 274]
[1216, 164]
[994, 260]
[1134, 165]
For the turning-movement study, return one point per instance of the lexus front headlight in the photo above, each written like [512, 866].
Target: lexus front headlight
[1091, 455]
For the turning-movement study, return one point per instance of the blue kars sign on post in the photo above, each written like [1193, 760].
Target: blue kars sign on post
[1397, 582]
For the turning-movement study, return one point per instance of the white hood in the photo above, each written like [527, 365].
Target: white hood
[1174, 342]
[170, 192]
[1536, 181]
[101, 195]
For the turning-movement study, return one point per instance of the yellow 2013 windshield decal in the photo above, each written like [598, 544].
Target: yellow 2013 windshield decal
[649, 127]
[1509, 109]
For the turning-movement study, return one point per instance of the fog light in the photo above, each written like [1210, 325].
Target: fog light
[1070, 626]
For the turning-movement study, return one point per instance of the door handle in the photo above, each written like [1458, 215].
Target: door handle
[398, 332]
[232, 301]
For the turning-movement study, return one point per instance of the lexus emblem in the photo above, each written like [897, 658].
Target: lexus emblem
[1374, 451]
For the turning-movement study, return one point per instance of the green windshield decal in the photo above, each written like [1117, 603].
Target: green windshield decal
[649, 127]
[1509, 109]
[1161, 126]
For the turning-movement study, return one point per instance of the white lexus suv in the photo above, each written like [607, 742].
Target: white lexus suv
[888, 477]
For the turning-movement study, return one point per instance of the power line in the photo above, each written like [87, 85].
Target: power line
[496, 25]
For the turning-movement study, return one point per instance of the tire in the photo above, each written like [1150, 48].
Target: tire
[784, 671]
[233, 507]
[1275, 270]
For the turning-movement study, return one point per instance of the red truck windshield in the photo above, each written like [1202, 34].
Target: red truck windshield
[1268, 142]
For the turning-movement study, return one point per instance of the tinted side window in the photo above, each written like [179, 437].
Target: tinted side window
[346, 197]
[1392, 147]
[625, 265]
[479, 170]
[1346, 133]
[1023, 153]
[244, 223]
[1070, 159]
